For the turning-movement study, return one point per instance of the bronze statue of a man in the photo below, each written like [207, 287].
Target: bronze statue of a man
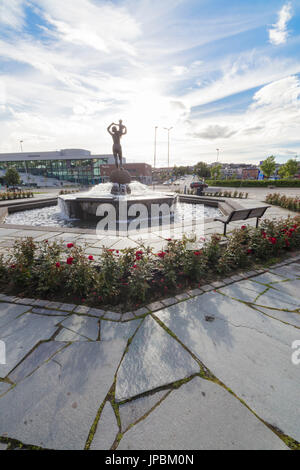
[117, 135]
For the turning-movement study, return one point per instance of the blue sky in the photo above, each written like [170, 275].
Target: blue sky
[224, 74]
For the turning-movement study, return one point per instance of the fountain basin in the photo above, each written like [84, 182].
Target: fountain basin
[86, 207]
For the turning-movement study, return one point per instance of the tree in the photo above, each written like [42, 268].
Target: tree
[12, 177]
[216, 171]
[202, 170]
[289, 169]
[181, 171]
[268, 166]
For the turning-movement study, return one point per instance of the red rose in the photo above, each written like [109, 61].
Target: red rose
[272, 240]
[162, 254]
[91, 258]
[197, 253]
[264, 235]
[70, 245]
[243, 227]
[139, 255]
[57, 265]
[70, 260]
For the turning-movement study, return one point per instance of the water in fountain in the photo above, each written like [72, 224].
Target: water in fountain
[137, 189]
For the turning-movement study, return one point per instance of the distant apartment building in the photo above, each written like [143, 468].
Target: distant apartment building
[141, 172]
[250, 173]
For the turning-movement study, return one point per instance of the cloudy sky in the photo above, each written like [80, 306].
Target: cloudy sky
[223, 74]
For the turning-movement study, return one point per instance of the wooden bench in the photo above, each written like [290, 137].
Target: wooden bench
[243, 214]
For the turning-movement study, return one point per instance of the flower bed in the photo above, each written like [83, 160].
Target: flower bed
[232, 194]
[131, 277]
[291, 203]
[10, 195]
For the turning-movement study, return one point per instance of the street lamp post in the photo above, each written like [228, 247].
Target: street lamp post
[218, 153]
[168, 129]
[21, 146]
[155, 136]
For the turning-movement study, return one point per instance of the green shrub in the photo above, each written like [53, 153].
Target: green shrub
[51, 269]
[290, 203]
[284, 183]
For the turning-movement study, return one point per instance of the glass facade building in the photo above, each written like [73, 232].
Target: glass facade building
[83, 168]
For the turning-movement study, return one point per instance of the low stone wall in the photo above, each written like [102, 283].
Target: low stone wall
[26, 205]
[3, 214]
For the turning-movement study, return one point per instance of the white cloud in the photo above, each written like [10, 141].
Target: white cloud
[279, 33]
[99, 62]
[103, 27]
[179, 70]
[12, 13]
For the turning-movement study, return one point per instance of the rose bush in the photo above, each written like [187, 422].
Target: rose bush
[131, 277]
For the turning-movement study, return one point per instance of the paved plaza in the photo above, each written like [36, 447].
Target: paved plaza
[213, 370]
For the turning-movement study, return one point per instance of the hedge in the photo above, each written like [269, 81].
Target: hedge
[255, 183]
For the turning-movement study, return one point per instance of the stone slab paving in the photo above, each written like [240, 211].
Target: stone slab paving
[246, 350]
[134, 410]
[63, 366]
[4, 387]
[48, 313]
[22, 335]
[84, 326]
[153, 359]
[42, 353]
[277, 299]
[239, 291]
[9, 312]
[269, 278]
[112, 330]
[291, 288]
[3, 446]
[55, 407]
[293, 318]
[291, 272]
[200, 415]
[107, 429]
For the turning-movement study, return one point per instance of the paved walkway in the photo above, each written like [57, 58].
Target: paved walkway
[214, 371]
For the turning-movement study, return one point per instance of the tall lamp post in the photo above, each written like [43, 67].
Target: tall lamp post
[21, 147]
[168, 129]
[155, 136]
[218, 154]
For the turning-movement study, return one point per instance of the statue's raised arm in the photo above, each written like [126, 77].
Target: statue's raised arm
[108, 129]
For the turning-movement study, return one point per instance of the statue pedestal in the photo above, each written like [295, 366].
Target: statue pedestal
[121, 179]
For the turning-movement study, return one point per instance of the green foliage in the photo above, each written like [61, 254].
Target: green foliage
[295, 183]
[216, 171]
[289, 169]
[290, 203]
[131, 277]
[268, 166]
[5, 196]
[12, 177]
[202, 170]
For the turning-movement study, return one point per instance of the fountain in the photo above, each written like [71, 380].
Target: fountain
[120, 193]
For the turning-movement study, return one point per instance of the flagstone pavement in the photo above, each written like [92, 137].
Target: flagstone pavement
[217, 370]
